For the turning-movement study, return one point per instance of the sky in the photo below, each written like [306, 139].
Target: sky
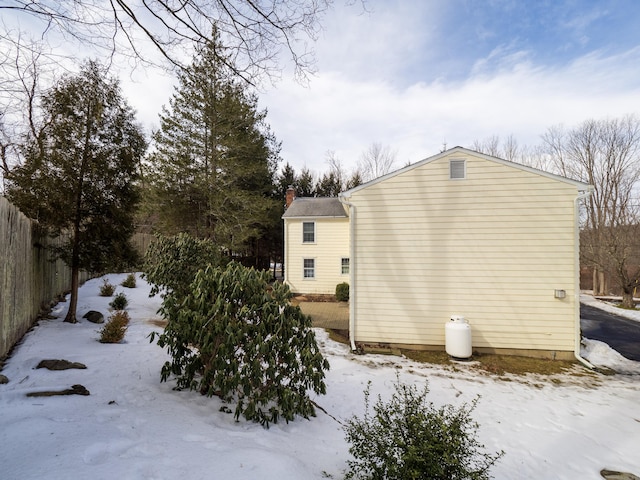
[418, 76]
[566, 426]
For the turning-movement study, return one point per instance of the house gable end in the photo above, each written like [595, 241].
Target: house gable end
[491, 243]
[460, 153]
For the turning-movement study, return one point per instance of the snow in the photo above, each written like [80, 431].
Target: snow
[132, 426]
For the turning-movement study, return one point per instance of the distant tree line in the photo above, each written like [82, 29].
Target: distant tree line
[375, 161]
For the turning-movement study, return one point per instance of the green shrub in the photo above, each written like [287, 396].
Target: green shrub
[342, 292]
[106, 289]
[115, 328]
[238, 337]
[410, 438]
[171, 263]
[130, 281]
[119, 302]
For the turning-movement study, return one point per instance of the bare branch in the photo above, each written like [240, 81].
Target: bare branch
[376, 161]
[23, 65]
[258, 32]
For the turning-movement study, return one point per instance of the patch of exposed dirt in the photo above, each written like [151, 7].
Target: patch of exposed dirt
[315, 298]
[158, 322]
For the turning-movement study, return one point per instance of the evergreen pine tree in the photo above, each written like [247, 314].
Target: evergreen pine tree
[214, 163]
[305, 184]
[78, 175]
[328, 186]
[286, 179]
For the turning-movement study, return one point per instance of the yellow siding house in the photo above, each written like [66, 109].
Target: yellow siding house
[316, 238]
[457, 234]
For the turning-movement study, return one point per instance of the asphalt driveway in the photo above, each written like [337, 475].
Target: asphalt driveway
[621, 334]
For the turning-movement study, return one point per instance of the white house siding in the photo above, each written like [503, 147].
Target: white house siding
[492, 248]
[331, 245]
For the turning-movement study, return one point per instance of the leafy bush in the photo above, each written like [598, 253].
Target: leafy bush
[237, 337]
[409, 438]
[130, 281]
[171, 263]
[342, 292]
[106, 289]
[115, 328]
[119, 302]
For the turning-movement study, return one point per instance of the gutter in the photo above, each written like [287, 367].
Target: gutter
[352, 272]
[576, 352]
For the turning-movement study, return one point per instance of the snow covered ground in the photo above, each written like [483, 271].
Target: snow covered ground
[134, 427]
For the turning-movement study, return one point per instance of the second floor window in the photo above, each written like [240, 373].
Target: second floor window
[308, 232]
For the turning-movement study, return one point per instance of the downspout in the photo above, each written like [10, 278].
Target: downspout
[352, 272]
[285, 260]
[576, 352]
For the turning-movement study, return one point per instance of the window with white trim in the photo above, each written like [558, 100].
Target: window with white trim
[344, 266]
[309, 268]
[457, 169]
[308, 232]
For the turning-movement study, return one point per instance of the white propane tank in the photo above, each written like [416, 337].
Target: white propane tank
[457, 337]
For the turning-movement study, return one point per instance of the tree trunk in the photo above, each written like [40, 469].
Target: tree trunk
[75, 248]
[599, 282]
[73, 302]
[75, 267]
[602, 284]
[627, 299]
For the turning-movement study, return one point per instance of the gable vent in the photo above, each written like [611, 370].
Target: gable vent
[457, 169]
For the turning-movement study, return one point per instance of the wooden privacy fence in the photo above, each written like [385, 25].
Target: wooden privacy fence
[29, 280]
[141, 241]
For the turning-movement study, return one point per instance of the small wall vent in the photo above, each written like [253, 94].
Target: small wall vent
[457, 169]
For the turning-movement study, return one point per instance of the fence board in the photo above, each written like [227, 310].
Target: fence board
[29, 280]
[141, 241]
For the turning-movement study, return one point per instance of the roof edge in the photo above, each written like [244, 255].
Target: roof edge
[578, 184]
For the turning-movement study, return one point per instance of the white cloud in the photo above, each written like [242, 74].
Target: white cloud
[345, 115]
[379, 39]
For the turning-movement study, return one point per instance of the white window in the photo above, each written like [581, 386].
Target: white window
[344, 268]
[309, 268]
[308, 232]
[457, 169]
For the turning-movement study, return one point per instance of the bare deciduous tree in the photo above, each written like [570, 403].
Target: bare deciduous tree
[488, 146]
[534, 156]
[345, 179]
[22, 66]
[494, 146]
[255, 31]
[336, 169]
[509, 149]
[375, 161]
[605, 154]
